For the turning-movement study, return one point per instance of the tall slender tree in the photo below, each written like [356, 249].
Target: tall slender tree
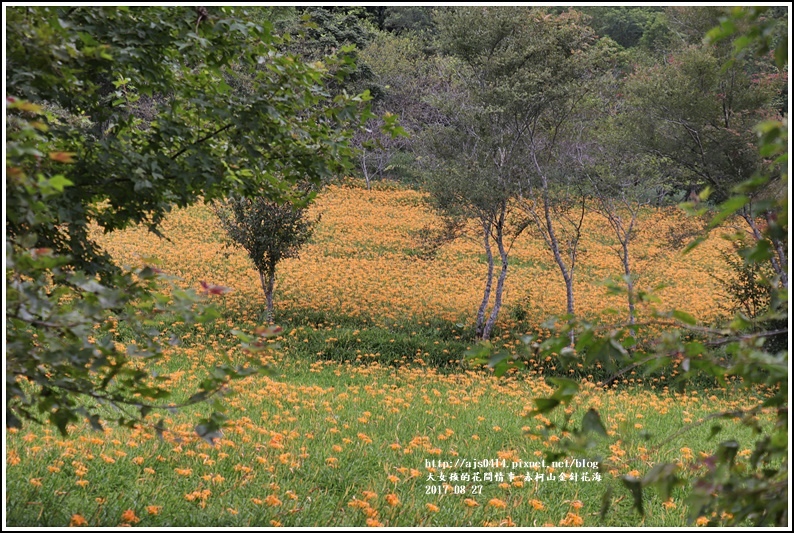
[525, 72]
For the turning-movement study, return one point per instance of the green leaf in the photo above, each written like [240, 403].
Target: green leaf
[59, 182]
[591, 423]
[211, 429]
[726, 452]
[663, 476]
[498, 357]
[728, 208]
[760, 253]
[480, 353]
[208, 314]
[501, 368]
[694, 244]
[692, 349]
[684, 317]
[95, 423]
[545, 405]
[635, 487]
[566, 389]
[61, 418]
[705, 193]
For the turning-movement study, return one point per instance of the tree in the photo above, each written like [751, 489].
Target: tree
[620, 188]
[698, 111]
[269, 232]
[619, 183]
[735, 491]
[87, 68]
[115, 115]
[465, 182]
[527, 74]
[746, 285]
[625, 25]
[406, 19]
[472, 168]
[323, 30]
[407, 79]
[553, 194]
[318, 32]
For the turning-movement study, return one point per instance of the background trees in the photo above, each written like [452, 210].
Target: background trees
[407, 80]
[465, 183]
[529, 74]
[620, 186]
[477, 154]
[618, 183]
[625, 25]
[728, 491]
[697, 111]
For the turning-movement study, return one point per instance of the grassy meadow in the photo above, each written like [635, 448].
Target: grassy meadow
[369, 392]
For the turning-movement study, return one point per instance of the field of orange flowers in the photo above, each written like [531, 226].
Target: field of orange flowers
[363, 261]
[334, 442]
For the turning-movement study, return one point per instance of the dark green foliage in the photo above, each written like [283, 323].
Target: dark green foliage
[747, 286]
[698, 117]
[385, 346]
[363, 340]
[330, 28]
[93, 68]
[318, 32]
[748, 290]
[657, 36]
[625, 25]
[115, 116]
[408, 19]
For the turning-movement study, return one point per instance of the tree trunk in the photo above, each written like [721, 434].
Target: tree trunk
[567, 274]
[550, 236]
[775, 260]
[364, 166]
[555, 247]
[488, 280]
[569, 293]
[499, 284]
[781, 257]
[629, 281]
[268, 287]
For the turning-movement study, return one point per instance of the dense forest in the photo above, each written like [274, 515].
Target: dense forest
[572, 155]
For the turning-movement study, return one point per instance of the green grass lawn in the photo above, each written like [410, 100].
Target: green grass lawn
[333, 441]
